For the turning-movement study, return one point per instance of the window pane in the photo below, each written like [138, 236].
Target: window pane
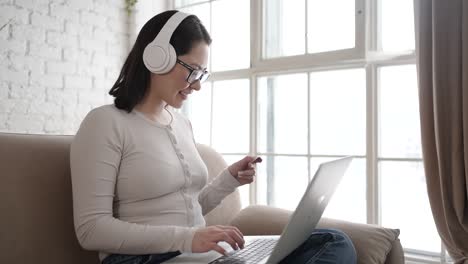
[198, 109]
[349, 200]
[284, 28]
[399, 128]
[281, 181]
[405, 205]
[231, 120]
[338, 112]
[397, 21]
[180, 3]
[244, 190]
[282, 114]
[330, 28]
[231, 34]
[202, 12]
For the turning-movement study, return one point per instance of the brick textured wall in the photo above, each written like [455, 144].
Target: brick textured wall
[58, 60]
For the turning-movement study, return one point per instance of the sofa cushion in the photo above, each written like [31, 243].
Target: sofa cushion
[372, 243]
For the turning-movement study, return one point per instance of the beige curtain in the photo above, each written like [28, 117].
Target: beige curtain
[442, 58]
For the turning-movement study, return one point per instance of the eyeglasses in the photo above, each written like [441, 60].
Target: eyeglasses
[195, 74]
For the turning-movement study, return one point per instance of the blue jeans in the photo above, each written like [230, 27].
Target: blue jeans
[139, 259]
[323, 246]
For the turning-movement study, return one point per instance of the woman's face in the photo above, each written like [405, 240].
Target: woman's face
[173, 87]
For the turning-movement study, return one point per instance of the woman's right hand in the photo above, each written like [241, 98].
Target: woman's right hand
[207, 238]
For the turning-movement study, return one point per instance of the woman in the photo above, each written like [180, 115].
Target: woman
[139, 185]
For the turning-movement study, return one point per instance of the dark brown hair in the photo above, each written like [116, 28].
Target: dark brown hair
[134, 78]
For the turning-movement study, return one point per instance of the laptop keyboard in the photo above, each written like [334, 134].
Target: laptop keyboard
[252, 253]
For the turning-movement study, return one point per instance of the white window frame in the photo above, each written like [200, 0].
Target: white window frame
[364, 55]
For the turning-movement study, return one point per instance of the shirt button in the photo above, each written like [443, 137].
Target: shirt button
[181, 156]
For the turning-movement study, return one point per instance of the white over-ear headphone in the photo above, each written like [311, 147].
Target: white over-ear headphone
[159, 55]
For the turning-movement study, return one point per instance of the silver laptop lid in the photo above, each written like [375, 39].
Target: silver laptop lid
[311, 207]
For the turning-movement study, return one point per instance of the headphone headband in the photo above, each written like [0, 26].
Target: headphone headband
[164, 36]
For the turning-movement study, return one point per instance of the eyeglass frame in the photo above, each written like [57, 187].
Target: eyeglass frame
[192, 70]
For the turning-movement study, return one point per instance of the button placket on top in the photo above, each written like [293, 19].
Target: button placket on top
[186, 171]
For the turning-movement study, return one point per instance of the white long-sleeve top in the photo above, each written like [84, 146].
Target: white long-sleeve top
[139, 187]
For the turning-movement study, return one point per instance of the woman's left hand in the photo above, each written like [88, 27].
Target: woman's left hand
[243, 170]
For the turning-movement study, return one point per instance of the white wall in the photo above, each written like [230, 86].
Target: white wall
[144, 11]
[58, 60]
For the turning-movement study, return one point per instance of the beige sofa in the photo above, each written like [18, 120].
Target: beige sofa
[36, 208]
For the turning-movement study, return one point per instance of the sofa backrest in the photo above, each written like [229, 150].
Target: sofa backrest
[36, 200]
[231, 205]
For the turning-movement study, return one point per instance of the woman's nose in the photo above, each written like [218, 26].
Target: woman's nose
[196, 86]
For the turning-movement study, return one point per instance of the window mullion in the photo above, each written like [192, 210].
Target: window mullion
[360, 27]
[170, 4]
[306, 27]
[372, 26]
[270, 128]
[211, 29]
[255, 55]
[309, 173]
[256, 36]
[253, 134]
[373, 185]
[373, 206]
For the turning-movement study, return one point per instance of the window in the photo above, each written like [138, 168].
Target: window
[400, 167]
[300, 82]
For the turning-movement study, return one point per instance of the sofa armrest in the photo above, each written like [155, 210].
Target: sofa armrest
[258, 220]
[373, 243]
[396, 255]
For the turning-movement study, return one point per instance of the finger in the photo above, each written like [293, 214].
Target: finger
[237, 230]
[257, 160]
[246, 173]
[239, 238]
[218, 249]
[236, 235]
[246, 177]
[224, 236]
[246, 160]
[254, 162]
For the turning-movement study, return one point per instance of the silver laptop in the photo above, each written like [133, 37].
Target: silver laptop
[272, 249]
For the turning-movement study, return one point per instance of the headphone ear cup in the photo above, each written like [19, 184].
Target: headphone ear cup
[172, 58]
[155, 58]
[159, 56]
